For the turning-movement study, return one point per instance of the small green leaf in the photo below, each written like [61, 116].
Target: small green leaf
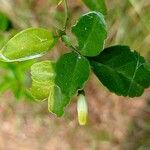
[55, 100]
[43, 71]
[40, 91]
[96, 5]
[90, 31]
[4, 22]
[43, 76]
[122, 71]
[28, 44]
[14, 77]
[72, 71]
[3, 40]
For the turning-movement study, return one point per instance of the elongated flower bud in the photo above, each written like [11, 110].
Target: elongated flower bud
[82, 109]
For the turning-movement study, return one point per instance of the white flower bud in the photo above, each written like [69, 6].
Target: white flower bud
[82, 109]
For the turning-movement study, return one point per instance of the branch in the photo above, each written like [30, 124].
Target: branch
[66, 15]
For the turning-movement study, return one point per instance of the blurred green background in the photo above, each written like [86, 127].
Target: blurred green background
[115, 123]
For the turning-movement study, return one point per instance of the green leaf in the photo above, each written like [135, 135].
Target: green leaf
[72, 71]
[2, 40]
[90, 31]
[4, 22]
[96, 5]
[40, 91]
[55, 100]
[43, 76]
[122, 71]
[14, 77]
[28, 44]
[59, 81]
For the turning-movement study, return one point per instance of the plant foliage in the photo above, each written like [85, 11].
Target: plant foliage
[120, 69]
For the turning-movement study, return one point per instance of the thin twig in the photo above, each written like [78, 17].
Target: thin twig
[66, 15]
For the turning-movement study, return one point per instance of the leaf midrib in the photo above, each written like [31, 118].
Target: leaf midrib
[76, 64]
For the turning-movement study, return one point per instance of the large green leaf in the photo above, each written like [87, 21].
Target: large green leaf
[96, 5]
[90, 31]
[28, 44]
[72, 71]
[43, 76]
[122, 71]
